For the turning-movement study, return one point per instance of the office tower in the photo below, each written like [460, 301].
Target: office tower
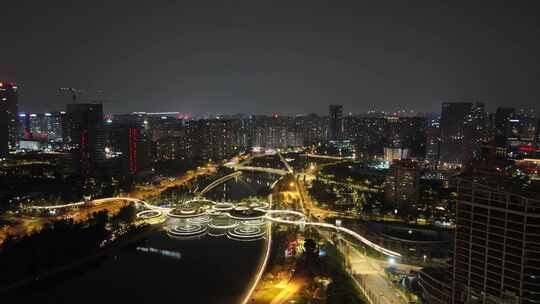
[54, 126]
[85, 135]
[4, 131]
[463, 128]
[10, 122]
[523, 127]
[497, 241]
[336, 122]
[433, 141]
[502, 125]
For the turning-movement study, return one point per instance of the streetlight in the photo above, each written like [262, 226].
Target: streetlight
[392, 261]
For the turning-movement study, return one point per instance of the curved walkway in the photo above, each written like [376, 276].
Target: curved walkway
[218, 181]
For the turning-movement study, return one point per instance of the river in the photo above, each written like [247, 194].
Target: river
[160, 269]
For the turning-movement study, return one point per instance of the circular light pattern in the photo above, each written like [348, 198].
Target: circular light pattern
[187, 230]
[246, 233]
[285, 216]
[185, 212]
[259, 205]
[245, 213]
[204, 219]
[222, 222]
[257, 222]
[247, 230]
[149, 214]
[223, 207]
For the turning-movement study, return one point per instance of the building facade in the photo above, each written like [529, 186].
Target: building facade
[497, 243]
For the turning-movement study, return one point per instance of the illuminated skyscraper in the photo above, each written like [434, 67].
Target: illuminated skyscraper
[8, 117]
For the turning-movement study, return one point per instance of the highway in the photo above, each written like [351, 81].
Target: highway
[370, 274]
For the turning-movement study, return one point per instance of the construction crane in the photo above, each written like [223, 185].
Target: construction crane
[74, 92]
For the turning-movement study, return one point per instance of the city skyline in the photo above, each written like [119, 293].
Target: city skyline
[271, 58]
[274, 152]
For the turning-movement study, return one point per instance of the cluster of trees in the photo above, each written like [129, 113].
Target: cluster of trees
[55, 245]
[176, 167]
[175, 194]
[322, 192]
[126, 215]
[358, 173]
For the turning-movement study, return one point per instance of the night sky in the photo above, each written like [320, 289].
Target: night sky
[270, 56]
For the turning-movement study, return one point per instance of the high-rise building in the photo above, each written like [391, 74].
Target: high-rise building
[130, 145]
[497, 242]
[412, 135]
[502, 125]
[54, 124]
[335, 122]
[46, 127]
[401, 184]
[85, 137]
[433, 141]
[4, 131]
[8, 117]
[463, 128]
[312, 128]
[277, 132]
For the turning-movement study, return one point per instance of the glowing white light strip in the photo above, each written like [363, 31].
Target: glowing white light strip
[326, 225]
[148, 214]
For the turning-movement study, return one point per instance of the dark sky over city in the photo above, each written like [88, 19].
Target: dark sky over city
[271, 56]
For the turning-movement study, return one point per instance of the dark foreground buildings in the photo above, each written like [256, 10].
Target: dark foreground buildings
[497, 244]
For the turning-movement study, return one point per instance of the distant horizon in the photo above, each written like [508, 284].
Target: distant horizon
[489, 109]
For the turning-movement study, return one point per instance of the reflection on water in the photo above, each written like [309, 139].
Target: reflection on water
[248, 184]
[167, 253]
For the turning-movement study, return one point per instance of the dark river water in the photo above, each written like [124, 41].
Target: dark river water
[159, 269]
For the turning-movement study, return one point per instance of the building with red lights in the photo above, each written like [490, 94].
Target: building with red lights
[84, 136]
